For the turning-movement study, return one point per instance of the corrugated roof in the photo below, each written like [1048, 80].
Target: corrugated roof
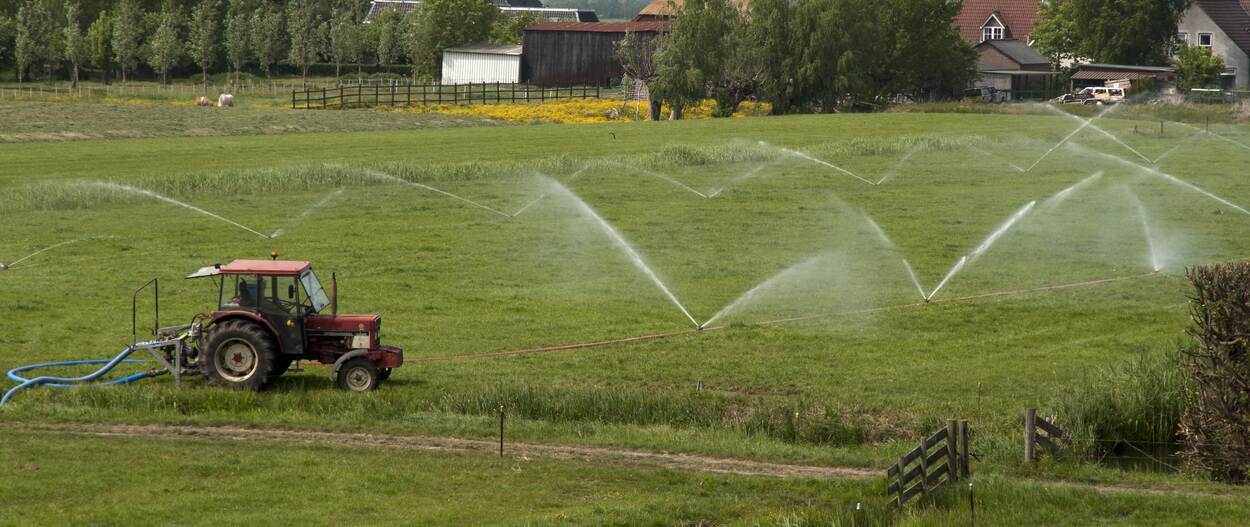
[1126, 67]
[602, 27]
[376, 7]
[1017, 51]
[1232, 18]
[1117, 75]
[1018, 15]
[552, 14]
[487, 49]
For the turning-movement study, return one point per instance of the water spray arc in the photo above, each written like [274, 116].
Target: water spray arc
[388, 177]
[751, 293]
[1156, 262]
[659, 176]
[898, 165]
[172, 201]
[738, 179]
[17, 262]
[889, 244]
[801, 155]
[983, 247]
[1171, 179]
[1090, 123]
[622, 244]
[1061, 196]
[304, 213]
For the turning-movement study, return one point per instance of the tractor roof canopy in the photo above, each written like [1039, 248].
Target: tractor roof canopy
[264, 267]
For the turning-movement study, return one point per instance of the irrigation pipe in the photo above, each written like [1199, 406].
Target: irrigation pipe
[767, 323]
[68, 382]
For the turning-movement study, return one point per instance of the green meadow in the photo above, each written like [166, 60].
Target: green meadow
[821, 290]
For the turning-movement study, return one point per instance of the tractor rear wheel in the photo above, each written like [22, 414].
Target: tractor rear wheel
[359, 375]
[239, 355]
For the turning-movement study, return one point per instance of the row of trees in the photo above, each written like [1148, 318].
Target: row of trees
[46, 36]
[802, 55]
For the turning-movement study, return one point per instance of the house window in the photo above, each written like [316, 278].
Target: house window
[993, 29]
[1183, 38]
[1204, 40]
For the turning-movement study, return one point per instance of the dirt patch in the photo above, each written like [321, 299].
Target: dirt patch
[521, 451]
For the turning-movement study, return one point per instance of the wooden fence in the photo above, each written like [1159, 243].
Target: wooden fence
[410, 94]
[1053, 439]
[939, 459]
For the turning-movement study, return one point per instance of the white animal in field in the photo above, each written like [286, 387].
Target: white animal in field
[203, 101]
[225, 100]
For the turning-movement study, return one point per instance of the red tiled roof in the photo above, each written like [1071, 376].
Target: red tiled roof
[601, 27]
[1018, 15]
[1232, 18]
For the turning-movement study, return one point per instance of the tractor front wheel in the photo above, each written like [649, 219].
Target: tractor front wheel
[239, 355]
[359, 375]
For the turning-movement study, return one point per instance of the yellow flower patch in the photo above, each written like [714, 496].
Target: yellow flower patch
[576, 111]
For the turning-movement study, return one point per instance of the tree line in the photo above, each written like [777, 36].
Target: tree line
[801, 55]
[42, 38]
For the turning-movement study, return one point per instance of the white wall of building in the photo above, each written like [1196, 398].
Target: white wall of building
[461, 68]
[1196, 21]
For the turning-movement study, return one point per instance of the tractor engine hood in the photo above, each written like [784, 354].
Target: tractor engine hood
[342, 323]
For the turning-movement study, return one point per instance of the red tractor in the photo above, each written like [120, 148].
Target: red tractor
[272, 313]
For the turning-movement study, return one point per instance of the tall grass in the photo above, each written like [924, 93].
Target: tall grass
[785, 420]
[1138, 401]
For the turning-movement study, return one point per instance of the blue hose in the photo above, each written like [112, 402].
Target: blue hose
[64, 382]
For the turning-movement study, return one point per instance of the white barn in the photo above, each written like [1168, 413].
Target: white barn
[482, 63]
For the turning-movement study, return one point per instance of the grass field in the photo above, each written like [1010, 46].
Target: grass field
[715, 208]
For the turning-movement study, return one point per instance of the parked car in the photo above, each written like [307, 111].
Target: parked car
[985, 94]
[1098, 95]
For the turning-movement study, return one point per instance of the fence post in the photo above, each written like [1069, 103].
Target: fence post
[952, 444]
[924, 469]
[963, 448]
[902, 487]
[292, 100]
[323, 98]
[1030, 433]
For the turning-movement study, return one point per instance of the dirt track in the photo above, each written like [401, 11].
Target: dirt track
[513, 450]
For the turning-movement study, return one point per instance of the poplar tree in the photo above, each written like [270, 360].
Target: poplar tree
[34, 42]
[344, 40]
[165, 45]
[100, 44]
[74, 48]
[127, 36]
[237, 35]
[267, 37]
[203, 38]
[306, 34]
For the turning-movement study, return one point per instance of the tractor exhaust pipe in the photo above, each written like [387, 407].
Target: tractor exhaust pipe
[334, 294]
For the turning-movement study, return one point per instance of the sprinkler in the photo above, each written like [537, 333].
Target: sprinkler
[3, 266]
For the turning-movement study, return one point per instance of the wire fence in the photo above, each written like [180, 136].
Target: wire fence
[272, 89]
[425, 94]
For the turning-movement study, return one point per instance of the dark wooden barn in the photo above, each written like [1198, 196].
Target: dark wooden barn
[577, 54]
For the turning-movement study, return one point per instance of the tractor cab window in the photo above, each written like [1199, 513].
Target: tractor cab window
[239, 292]
[279, 294]
[317, 299]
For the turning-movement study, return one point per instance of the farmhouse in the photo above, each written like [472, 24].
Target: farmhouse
[1224, 27]
[573, 54]
[982, 20]
[1011, 65]
[482, 63]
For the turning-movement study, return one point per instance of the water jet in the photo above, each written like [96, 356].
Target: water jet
[172, 201]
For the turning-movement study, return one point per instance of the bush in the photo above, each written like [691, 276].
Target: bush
[1216, 423]
[1138, 402]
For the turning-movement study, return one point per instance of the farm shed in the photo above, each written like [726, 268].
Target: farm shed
[1101, 74]
[577, 54]
[482, 63]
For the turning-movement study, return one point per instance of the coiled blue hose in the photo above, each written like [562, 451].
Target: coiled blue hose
[65, 382]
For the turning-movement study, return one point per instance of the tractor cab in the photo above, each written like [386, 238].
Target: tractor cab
[271, 313]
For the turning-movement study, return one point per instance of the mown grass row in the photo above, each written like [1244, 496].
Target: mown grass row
[791, 421]
[78, 194]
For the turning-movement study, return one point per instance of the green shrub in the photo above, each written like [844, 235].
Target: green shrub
[1216, 423]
